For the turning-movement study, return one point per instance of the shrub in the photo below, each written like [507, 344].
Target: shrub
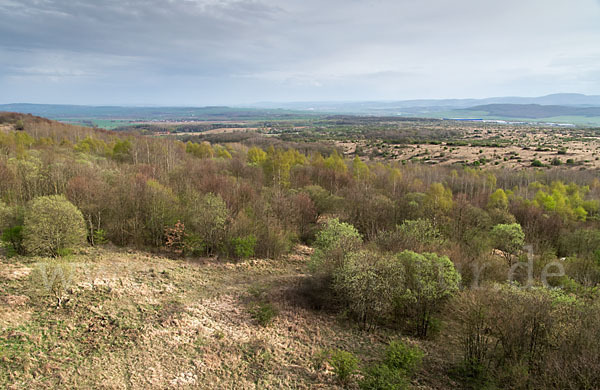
[403, 357]
[243, 247]
[400, 363]
[344, 365]
[411, 234]
[100, 237]
[272, 240]
[207, 222]
[52, 278]
[429, 280]
[175, 238]
[332, 244]
[508, 238]
[537, 163]
[366, 283]
[52, 224]
[13, 238]
[383, 377]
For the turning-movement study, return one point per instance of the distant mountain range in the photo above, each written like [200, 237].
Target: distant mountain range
[561, 108]
[533, 111]
[559, 99]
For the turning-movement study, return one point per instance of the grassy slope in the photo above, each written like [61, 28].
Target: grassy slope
[139, 321]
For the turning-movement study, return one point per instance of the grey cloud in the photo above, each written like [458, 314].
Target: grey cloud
[231, 51]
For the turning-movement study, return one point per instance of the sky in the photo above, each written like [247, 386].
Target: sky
[236, 52]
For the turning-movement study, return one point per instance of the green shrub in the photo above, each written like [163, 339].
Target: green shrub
[52, 224]
[429, 280]
[332, 244]
[366, 282]
[344, 365]
[383, 377]
[411, 234]
[403, 357]
[100, 237]
[243, 247]
[206, 223]
[13, 239]
[537, 163]
[193, 244]
[508, 238]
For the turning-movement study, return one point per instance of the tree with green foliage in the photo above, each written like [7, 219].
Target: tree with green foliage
[360, 170]
[199, 150]
[498, 200]
[256, 156]
[429, 281]
[437, 202]
[366, 282]
[121, 150]
[509, 239]
[52, 226]
[332, 244]
[323, 200]
[417, 235]
[336, 162]
[209, 222]
[161, 208]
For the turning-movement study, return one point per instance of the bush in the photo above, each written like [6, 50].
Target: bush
[383, 377]
[508, 238]
[52, 278]
[243, 247]
[403, 357]
[333, 242]
[429, 280]
[13, 239]
[52, 224]
[537, 163]
[400, 363]
[344, 365]
[209, 222]
[411, 234]
[366, 282]
[272, 240]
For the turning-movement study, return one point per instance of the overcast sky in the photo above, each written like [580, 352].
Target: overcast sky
[213, 52]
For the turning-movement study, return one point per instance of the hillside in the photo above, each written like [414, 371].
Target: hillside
[142, 321]
[130, 261]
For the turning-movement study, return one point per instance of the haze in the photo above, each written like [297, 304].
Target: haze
[209, 52]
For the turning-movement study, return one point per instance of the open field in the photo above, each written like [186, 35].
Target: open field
[434, 142]
[142, 321]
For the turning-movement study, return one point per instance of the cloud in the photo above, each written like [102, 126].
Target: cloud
[199, 51]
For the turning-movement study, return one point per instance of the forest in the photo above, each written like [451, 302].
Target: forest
[495, 270]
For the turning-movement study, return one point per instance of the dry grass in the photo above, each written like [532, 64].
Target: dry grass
[139, 321]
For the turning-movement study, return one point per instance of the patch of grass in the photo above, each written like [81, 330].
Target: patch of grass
[264, 313]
